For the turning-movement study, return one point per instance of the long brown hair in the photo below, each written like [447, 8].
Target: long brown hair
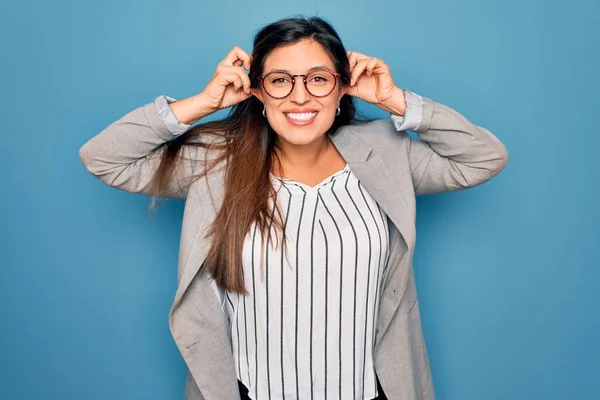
[247, 150]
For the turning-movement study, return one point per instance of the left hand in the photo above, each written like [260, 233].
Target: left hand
[372, 81]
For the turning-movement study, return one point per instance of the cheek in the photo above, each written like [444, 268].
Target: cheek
[272, 106]
[330, 104]
[329, 110]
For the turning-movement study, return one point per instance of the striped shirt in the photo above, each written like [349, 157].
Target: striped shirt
[306, 329]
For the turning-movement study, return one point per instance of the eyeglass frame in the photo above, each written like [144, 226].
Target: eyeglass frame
[335, 74]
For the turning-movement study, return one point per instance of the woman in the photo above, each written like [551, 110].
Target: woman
[295, 265]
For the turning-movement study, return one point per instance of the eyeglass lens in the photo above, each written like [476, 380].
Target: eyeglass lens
[318, 83]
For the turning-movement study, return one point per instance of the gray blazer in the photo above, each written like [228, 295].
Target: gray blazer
[452, 154]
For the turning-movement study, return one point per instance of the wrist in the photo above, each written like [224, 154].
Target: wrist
[191, 109]
[396, 104]
[203, 105]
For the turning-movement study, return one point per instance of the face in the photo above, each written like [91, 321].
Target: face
[287, 116]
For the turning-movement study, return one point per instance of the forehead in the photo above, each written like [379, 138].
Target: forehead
[298, 57]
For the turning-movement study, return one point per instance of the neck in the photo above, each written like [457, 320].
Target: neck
[303, 157]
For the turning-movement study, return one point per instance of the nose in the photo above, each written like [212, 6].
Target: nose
[299, 93]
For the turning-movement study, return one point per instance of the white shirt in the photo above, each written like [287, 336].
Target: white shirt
[306, 329]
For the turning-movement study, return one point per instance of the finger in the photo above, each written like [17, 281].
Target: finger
[358, 71]
[238, 57]
[236, 82]
[352, 59]
[356, 55]
[371, 65]
[243, 96]
[230, 78]
[245, 79]
[377, 66]
[232, 73]
[232, 57]
[243, 63]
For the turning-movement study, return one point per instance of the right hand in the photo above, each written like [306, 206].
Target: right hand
[230, 83]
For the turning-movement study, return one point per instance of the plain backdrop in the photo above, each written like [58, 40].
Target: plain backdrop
[507, 273]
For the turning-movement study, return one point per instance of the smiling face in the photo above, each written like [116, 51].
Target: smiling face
[300, 118]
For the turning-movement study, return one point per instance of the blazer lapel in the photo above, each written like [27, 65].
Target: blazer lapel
[200, 246]
[198, 325]
[372, 171]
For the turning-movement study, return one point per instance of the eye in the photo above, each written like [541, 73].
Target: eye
[318, 79]
[280, 80]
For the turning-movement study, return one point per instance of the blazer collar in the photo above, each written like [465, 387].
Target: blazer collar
[350, 145]
[384, 185]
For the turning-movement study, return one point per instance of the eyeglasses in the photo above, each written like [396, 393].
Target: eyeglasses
[319, 83]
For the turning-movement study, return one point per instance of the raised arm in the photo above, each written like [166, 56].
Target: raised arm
[127, 153]
[452, 152]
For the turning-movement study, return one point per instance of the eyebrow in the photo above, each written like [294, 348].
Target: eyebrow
[317, 68]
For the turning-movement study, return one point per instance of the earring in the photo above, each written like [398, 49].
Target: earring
[338, 111]
[264, 113]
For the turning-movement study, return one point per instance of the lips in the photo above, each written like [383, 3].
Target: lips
[304, 116]
[300, 118]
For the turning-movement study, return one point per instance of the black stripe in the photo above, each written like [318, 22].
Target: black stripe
[297, 267]
[326, 302]
[354, 296]
[237, 327]
[287, 213]
[229, 321]
[255, 324]
[246, 341]
[341, 296]
[267, 344]
[312, 317]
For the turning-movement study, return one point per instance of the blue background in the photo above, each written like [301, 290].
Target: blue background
[507, 272]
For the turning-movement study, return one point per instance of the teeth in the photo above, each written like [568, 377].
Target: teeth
[301, 116]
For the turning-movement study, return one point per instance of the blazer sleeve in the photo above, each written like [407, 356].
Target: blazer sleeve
[127, 153]
[452, 153]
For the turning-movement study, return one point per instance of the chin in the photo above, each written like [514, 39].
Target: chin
[300, 140]
[301, 136]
